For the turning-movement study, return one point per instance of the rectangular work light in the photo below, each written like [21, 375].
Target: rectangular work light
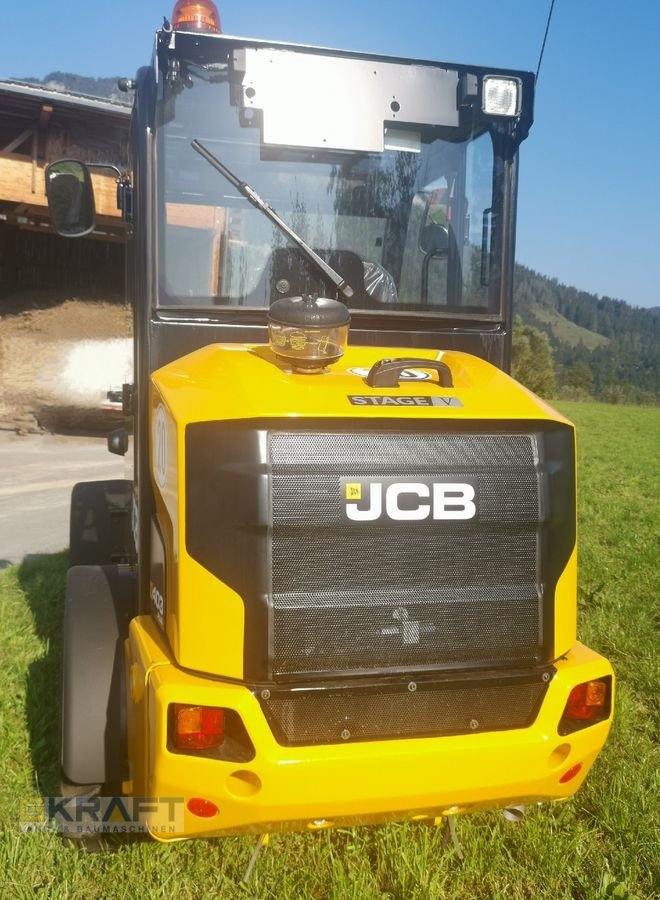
[501, 96]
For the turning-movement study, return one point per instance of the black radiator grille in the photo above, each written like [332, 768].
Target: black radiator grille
[365, 596]
[406, 709]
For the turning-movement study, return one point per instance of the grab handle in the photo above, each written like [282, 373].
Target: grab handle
[386, 372]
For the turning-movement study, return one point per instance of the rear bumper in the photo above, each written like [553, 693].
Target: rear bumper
[295, 788]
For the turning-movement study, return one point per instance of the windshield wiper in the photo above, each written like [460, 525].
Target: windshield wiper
[251, 195]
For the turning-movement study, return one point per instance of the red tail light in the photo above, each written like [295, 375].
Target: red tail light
[570, 774]
[586, 701]
[198, 727]
[587, 704]
[203, 808]
[196, 15]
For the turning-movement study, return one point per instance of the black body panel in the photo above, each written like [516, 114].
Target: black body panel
[391, 709]
[325, 596]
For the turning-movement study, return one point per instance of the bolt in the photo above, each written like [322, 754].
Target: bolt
[345, 734]
[265, 694]
[412, 687]
[473, 724]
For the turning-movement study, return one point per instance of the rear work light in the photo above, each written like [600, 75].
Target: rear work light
[588, 703]
[501, 96]
[201, 15]
[197, 727]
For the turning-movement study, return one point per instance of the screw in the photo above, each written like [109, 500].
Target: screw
[265, 694]
[546, 676]
[412, 687]
[474, 724]
[345, 734]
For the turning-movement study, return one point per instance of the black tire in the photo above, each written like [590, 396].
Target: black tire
[100, 602]
[100, 523]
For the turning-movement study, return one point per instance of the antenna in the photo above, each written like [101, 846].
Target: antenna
[545, 38]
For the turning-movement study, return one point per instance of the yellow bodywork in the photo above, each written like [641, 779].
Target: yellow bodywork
[203, 627]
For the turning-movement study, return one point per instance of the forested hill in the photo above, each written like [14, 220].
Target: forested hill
[82, 84]
[602, 346]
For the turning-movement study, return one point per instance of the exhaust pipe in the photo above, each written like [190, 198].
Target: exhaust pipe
[514, 813]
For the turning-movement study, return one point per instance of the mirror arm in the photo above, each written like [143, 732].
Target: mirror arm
[124, 189]
[94, 165]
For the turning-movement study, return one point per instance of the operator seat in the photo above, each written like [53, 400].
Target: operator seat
[292, 275]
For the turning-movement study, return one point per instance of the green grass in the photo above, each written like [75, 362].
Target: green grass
[603, 843]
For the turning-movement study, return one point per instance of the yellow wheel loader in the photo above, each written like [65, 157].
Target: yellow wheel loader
[348, 589]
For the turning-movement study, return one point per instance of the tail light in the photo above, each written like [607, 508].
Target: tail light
[570, 774]
[196, 15]
[197, 727]
[588, 703]
[203, 808]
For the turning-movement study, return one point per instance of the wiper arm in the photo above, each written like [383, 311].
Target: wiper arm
[250, 194]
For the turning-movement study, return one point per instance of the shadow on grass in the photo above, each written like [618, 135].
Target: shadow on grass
[43, 579]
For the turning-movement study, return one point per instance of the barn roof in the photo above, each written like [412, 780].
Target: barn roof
[26, 91]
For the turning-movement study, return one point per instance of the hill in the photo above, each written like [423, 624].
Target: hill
[82, 84]
[603, 346]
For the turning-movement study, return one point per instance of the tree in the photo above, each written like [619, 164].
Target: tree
[580, 377]
[531, 359]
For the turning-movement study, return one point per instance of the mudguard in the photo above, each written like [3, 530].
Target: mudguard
[100, 602]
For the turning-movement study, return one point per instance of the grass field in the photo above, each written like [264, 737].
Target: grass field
[603, 843]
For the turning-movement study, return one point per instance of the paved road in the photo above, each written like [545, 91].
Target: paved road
[37, 473]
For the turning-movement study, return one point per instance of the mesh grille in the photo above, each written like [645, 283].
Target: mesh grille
[371, 596]
[412, 450]
[396, 711]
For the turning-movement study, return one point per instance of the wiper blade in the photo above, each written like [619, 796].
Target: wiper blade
[251, 195]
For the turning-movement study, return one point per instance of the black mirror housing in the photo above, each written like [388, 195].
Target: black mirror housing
[434, 240]
[118, 441]
[70, 198]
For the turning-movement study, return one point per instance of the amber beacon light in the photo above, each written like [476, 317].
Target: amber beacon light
[200, 16]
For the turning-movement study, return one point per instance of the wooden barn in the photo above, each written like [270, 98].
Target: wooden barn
[38, 126]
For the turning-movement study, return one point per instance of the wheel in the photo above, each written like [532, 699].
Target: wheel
[100, 523]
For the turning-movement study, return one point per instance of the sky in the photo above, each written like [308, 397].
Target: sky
[589, 192]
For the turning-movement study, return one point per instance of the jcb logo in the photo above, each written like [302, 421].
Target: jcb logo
[408, 501]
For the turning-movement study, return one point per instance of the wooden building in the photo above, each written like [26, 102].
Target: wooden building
[38, 126]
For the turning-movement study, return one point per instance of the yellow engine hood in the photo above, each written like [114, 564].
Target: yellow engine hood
[237, 381]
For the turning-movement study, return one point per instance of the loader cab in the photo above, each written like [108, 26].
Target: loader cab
[400, 174]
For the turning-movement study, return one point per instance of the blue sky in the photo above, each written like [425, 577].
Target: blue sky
[589, 200]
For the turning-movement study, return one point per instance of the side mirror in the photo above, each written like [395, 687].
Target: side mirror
[434, 240]
[118, 441]
[70, 198]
